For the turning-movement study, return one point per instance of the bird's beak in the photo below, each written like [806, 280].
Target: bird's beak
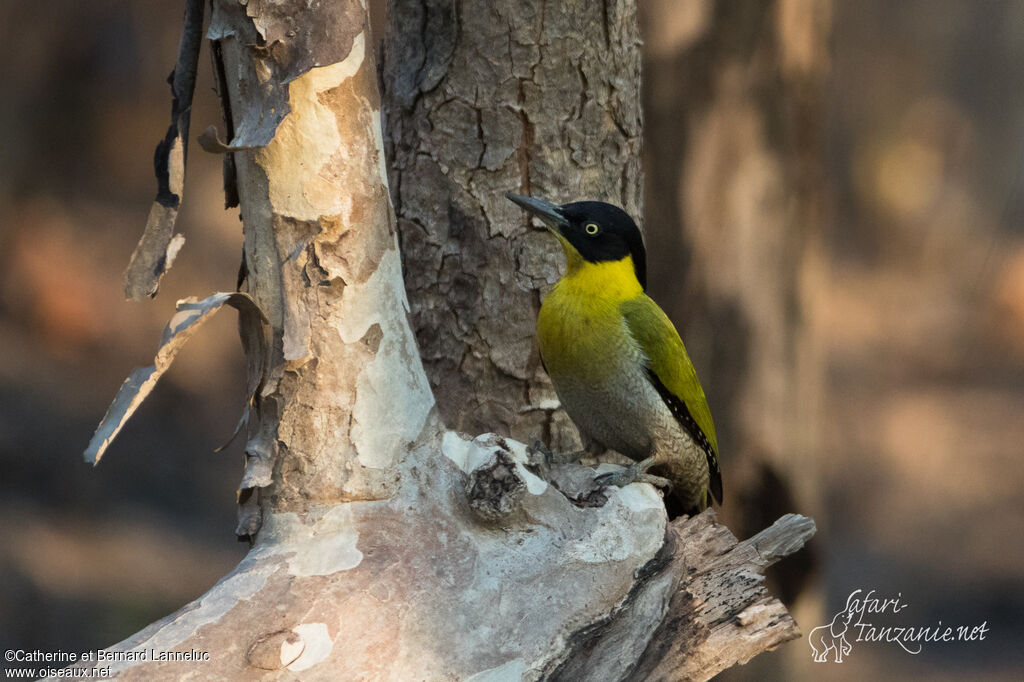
[545, 210]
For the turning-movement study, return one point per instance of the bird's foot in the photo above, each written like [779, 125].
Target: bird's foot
[634, 473]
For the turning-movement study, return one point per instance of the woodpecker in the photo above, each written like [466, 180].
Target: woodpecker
[617, 363]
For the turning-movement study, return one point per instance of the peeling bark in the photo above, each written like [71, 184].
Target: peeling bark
[192, 313]
[720, 614]
[321, 250]
[485, 98]
[159, 245]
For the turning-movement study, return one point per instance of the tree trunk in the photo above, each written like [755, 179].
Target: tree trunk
[485, 98]
[385, 546]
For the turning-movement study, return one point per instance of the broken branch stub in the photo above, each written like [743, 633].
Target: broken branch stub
[159, 245]
[695, 608]
[721, 614]
[192, 313]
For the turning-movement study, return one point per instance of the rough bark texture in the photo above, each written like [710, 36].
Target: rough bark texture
[733, 95]
[705, 632]
[485, 98]
[385, 546]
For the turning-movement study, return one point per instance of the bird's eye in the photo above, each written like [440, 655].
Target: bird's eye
[591, 228]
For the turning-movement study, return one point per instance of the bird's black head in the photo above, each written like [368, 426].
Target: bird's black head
[598, 231]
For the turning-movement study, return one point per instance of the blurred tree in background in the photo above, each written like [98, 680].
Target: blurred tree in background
[734, 95]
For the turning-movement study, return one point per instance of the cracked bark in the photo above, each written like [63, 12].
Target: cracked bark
[385, 546]
[485, 98]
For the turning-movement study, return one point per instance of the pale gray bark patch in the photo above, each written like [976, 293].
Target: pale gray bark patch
[611, 647]
[481, 99]
[158, 246]
[549, 591]
[192, 313]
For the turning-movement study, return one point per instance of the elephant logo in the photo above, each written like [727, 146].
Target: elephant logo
[832, 637]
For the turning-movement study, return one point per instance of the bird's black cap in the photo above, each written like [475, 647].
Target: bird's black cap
[597, 230]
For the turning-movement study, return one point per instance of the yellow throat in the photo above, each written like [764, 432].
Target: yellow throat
[596, 284]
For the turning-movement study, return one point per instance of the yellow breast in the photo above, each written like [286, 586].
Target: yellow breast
[580, 321]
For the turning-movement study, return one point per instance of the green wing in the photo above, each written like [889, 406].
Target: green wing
[674, 377]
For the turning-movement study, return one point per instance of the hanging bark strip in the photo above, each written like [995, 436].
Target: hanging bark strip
[192, 313]
[159, 245]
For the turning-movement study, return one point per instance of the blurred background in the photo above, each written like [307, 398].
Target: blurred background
[837, 191]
